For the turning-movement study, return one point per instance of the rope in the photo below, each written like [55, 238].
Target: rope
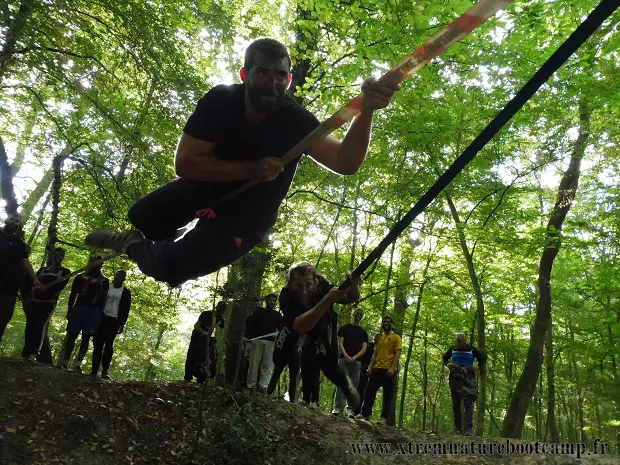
[440, 42]
[275, 333]
[561, 55]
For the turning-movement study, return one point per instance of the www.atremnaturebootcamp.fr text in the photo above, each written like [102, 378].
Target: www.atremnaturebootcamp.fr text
[506, 447]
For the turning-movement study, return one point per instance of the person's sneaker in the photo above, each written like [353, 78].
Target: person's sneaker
[31, 358]
[78, 369]
[105, 375]
[359, 416]
[303, 402]
[350, 413]
[336, 412]
[380, 421]
[314, 405]
[93, 374]
[457, 431]
[63, 366]
[263, 391]
[353, 397]
[469, 432]
[118, 242]
[250, 390]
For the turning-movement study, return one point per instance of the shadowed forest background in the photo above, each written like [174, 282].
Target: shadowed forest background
[93, 99]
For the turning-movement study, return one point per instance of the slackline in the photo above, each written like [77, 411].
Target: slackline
[561, 55]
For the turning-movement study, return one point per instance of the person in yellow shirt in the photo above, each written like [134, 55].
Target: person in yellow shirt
[382, 370]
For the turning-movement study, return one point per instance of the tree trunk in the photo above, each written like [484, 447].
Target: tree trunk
[24, 140]
[515, 417]
[244, 285]
[481, 345]
[150, 373]
[7, 192]
[37, 193]
[15, 28]
[425, 377]
[552, 427]
[411, 343]
[355, 220]
[388, 280]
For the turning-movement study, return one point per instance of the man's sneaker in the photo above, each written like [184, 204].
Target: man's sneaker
[350, 413]
[118, 242]
[353, 397]
[314, 405]
[336, 412]
[469, 432]
[105, 375]
[63, 366]
[457, 431]
[380, 421]
[93, 374]
[303, 402]
[31, 358]
[359, 416]
[250, 390]
[78, 369]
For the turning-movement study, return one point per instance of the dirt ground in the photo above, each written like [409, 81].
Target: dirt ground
[49, 416]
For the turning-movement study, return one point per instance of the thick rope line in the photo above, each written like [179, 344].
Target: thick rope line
[561, 55]
[440, 42]
[81, 270]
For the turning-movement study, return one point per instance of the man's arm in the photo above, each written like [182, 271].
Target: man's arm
[347, 156]
[394, 366]
[308, 320]
[341, 347]
[482, 360]
[447, 356]
[75, 290]
[373, 359]
[195, 159]
[361, 353]
[30, 273]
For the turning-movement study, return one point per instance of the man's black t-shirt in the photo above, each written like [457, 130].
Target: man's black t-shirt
[220, 118]
[263, 321]
[323, 335]
[354, 337]
[91, 290]
[12, 252]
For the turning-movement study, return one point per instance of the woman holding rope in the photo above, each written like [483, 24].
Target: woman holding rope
[236, 134]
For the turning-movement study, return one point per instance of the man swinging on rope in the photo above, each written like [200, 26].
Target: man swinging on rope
[236, 134]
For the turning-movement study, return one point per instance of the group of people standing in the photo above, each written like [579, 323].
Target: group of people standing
[305, 338]
[95, 308]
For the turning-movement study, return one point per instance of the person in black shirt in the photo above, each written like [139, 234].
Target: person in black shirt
[462, 380]
[307, 306]
[14, 267]
[88, 295]
[236, 134]
[262, 321]
[40, 307]
[196, 361]
[353, 341]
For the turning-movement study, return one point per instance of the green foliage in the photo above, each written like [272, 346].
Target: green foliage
[122, 77]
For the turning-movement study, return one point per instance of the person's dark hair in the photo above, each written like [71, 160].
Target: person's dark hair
[301, 269]
[59, 250]
[268, 47]
[387, 317]
[271, 295]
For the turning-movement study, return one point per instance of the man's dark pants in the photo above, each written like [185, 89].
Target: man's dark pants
[103, 343]
[7, 307]
[203, 250]
[456, 392]
[379, 379]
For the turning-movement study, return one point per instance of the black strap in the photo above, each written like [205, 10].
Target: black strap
[570, 46]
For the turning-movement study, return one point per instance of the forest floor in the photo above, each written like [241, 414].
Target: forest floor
[49, 416]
